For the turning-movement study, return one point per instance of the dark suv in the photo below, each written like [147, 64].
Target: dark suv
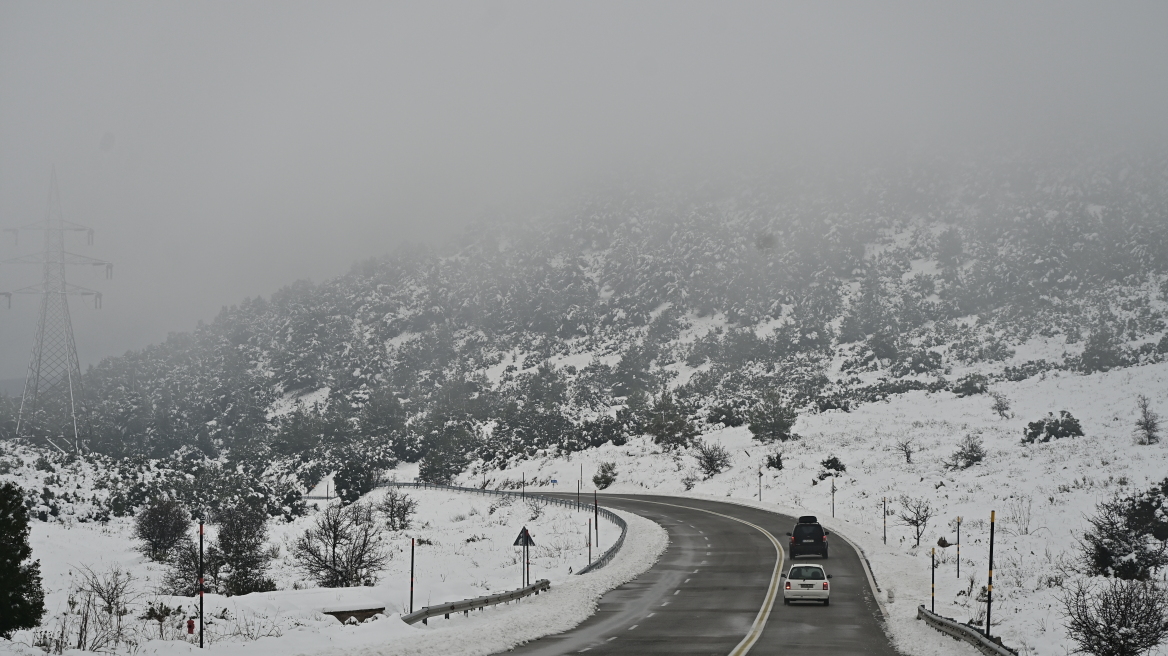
[808, 537]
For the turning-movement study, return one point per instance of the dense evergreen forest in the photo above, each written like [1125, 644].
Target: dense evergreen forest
[642, 311]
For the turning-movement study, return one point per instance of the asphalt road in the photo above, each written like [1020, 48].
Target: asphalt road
[705, 594]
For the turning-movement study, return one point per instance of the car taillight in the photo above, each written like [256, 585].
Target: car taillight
[788, 585]
[792, 539]
[825, 585]
[825, 538]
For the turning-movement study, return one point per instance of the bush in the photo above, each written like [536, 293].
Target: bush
[343, 548]
[771, 420]
[22, 603]
[831, 467]
[242, 532]
[1116, 618]
[971, 385]
[182, 578]
[970, 452]
[774, 461]
[1052, 427]
[161, 525]
[605, 475]
[399, 509]
[1126, 538]
[712, 458]
[1001, 404]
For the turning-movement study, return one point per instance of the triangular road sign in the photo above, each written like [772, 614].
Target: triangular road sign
[524, 539]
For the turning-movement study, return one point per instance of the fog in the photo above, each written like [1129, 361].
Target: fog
[222, 150]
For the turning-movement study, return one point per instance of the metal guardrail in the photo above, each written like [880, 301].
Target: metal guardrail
[601, 561]
[478, 603]
[974, 636]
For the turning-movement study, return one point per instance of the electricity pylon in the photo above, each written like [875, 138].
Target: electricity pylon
[51, 405]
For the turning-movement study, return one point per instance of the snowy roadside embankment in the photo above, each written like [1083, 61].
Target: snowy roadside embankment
[496, 629]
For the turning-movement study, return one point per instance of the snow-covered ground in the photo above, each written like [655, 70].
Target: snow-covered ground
[468, 552]
[1042, 493]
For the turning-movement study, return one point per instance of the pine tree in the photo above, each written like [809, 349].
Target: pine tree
[669, 425]
[22, 600]
[771, 420]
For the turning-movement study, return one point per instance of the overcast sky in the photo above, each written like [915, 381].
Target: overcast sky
[222, 150]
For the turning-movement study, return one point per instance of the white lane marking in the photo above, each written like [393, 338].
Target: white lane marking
[650, 614]
[675, 592]
[583, 650]
[665, 604]
[695, 571]
[611, 639]
[687, 580]
[768, 603]
[633, 627]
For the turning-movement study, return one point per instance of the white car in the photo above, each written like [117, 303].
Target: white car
[807, 583]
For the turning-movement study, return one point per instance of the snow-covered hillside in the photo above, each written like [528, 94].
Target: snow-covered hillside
[1041, 493]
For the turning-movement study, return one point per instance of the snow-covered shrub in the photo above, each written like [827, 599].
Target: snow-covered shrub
[774, 461]
[832, 466]
[713, 458]
[160, 526]
[1116, 617]
[241, 540]
[970, 452]
[605, 475]
[971, 385]
[398, 508]
[1052, 427]
[1001, 405]
[182, 576]
[96, 618]
[1127, 535]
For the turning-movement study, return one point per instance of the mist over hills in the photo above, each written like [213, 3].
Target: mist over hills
[659, 309]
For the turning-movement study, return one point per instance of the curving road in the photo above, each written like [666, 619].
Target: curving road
[709, 593]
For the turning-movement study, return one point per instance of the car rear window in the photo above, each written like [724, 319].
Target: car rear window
[808, 531]
[807, 573]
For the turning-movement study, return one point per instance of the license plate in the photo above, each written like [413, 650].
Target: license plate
[807, 586]
[808, 541]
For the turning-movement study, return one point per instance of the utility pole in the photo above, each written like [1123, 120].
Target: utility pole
[990, 585]
[52, 386]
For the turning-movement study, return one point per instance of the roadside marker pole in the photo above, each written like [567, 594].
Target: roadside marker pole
[578, 488]
[589, 540]
[990, 586]
[833, 496]
[958, 546]
[885, 520]
[596, 521]
[760, 484]
[411, 575]
[933, 578]
[201, 585]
